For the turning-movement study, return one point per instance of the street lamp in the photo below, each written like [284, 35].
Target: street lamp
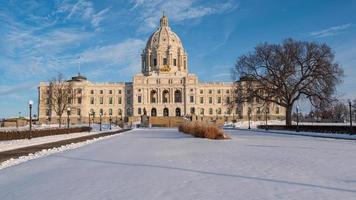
[266, 112]
[350, 107]
[68, 120]
[30, 103]
[89, 121]
[100, 115]
[249, 118]
[110, 120]
[297, 118]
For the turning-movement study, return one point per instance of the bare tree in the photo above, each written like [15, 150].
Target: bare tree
[283, 73]
[60, 95]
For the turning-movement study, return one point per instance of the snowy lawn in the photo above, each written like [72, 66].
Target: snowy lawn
[15, 144]
[165, 164]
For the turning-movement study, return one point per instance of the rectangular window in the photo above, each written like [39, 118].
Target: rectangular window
[110, 100]
[191, 99]
[164, 61]
[78, 111]
[139, 99]
[210, 91]
[110, 91]
[175, 62]
[79, 100]
[201, 100]
[219, 91]
[119, 100]
[201, 91]
[227, 99]
[91, 91]
[139, 111]
[219, 99]
[210, 100]
[101, 100]
[128, 100]
[155, 62]
[92, 100]
[128, 91]
[119, 91]
[101, 91]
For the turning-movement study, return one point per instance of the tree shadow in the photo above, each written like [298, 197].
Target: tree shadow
[309, 185]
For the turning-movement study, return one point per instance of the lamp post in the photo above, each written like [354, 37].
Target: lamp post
[30, 103]
[89, 121]
[68, 120]
[350, 107]
[110, 120]
[266, 112]
[100, 115]
[249, 118]
[297, 118]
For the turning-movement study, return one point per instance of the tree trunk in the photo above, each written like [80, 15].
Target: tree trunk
[60, 121]
[289, 115]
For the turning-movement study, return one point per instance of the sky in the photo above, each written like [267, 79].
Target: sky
[105, 38]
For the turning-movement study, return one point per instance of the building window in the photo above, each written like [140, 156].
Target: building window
[227, 91]
[154, 62]
[218, 111]
[128, 101]
[79, 100]
[110, 91]
[258, 110]
[47, 112]
[210, 91]
[219, 91]
[119, 100]
[91, 91]
[101, 111]
[128, 92]
[227, 100]
[210, 100]
[101, 91]
[202, 111]
[277, 110]
[110, 100]
[201, 100]
[164, 61]
[219, 99]
[92, 100]
[139, 111]
[178, 96]
[101, 100]
[119, 91]
[185, 64]
[78, 111]
[191, 99]
[110, 111]
[210, 111]
[192, 110]
[153, 96]
[119, 112]
[139, 99]
[201, 91]
[175, 62]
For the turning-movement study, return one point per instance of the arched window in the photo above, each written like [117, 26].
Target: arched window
[218, 111]
[202, 111]
[165, 96]
[178, 96]
[119, 112]
[153, 96]
[178, 112]
[165, 112]
[153, 112]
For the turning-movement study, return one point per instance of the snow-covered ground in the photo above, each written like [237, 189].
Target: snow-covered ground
[15, 144]
[254, 124]
[165, 164]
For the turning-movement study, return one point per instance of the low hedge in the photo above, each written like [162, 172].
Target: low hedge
[23, 134]
[312, 128]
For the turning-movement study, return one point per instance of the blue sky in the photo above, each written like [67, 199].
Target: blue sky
[40, 38]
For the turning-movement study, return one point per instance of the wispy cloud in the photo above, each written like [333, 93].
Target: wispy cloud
[177, 10]
[330, 31]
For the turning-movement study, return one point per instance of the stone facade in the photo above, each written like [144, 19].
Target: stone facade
[164, 88]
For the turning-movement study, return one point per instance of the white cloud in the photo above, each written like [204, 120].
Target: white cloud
[330, 31]
[180, 10]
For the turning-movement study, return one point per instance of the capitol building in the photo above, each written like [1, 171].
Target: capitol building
[164, 88]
